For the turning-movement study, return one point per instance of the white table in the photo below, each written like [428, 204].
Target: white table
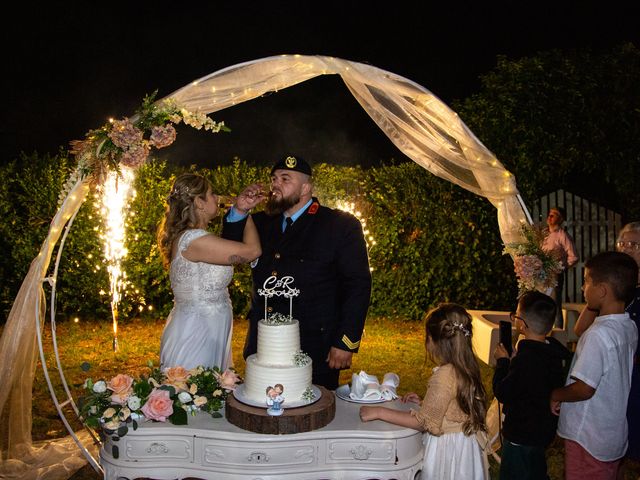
[486, 329]
[211, 448]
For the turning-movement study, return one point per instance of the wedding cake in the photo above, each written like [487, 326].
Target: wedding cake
[278, 360]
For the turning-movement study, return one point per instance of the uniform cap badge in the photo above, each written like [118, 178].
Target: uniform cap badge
[291, 162]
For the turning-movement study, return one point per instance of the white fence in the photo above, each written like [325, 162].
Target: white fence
[593, 228]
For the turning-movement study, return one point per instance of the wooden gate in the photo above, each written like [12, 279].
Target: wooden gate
[593, 228]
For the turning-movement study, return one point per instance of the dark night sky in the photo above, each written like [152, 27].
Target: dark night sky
[68, 68]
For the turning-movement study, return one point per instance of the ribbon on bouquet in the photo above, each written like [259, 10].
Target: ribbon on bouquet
[367, 387]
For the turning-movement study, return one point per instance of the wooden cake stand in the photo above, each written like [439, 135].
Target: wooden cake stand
[293, 420]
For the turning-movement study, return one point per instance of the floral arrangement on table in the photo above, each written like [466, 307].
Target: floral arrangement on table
[163, 395]
[128, 141]
[534, 268]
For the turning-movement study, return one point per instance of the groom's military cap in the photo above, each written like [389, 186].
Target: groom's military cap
[295, 164]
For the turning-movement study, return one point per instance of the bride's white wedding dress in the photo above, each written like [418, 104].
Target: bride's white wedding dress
[198, 329]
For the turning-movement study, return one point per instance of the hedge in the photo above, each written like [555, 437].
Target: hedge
[434, 241]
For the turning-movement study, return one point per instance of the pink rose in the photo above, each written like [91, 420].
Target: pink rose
[120, 385]
[159, 405]
[228, 379]
[177, 377]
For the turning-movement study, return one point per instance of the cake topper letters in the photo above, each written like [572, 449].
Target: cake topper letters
[278, 288]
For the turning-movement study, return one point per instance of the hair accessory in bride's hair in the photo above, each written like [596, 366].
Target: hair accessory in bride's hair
[462, 328]
[177, 192]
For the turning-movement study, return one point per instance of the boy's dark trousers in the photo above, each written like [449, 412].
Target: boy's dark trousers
[522, 462]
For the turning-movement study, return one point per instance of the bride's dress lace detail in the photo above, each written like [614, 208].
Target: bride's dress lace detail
[198, 329]
[197, 282]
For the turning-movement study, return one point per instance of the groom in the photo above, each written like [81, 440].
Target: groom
[324, 251]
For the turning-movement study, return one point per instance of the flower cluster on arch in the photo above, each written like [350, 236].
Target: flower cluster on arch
[535, 269]
[129, 141]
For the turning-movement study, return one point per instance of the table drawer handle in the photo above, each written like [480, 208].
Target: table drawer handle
[361, 452]
[258, 457]
[157, 447]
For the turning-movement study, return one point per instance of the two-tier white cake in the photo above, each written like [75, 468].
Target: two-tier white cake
[278, 360]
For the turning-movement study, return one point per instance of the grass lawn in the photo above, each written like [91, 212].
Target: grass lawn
[387, 346]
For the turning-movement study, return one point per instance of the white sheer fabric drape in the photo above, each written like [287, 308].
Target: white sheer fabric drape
[20, 458]
[414, 119]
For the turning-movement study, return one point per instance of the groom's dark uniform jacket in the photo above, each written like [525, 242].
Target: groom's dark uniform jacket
[325, 252]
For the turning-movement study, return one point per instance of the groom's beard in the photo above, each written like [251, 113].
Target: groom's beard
[276, 206]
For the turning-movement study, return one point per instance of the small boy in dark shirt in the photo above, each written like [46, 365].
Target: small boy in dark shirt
[523, 385]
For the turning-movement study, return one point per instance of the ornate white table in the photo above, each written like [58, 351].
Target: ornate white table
[211, 448]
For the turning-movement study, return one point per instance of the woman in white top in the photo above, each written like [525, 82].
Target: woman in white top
[198, 329]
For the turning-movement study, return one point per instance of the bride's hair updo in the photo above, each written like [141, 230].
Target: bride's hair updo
[181, 212]
[450, 329]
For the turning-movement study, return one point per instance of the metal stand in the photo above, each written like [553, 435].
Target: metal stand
[68, 401]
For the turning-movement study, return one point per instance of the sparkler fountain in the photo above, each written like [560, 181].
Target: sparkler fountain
[116, 192]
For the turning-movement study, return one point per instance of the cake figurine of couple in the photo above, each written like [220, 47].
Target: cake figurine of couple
[279, 361]
[275, 399]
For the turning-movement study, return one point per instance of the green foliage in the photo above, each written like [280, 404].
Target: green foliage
[83, 282]
[149, 291]
[565, 119]
[28, 202]
[434, 242]
[333, 183]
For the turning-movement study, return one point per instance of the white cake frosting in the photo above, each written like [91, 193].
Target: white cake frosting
[278, 343]
[275, 362]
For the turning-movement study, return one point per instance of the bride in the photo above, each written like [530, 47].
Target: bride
[198, 329]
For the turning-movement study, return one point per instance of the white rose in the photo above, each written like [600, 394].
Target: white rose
[184, 397]
[134, 402]
[100, 386]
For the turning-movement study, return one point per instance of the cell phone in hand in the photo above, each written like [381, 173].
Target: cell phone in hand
[505, 336]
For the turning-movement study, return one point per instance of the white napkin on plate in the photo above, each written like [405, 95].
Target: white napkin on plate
[367, 387]
[388, 387]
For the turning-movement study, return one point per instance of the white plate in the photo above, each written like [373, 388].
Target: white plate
[344, 391]
[241, 397]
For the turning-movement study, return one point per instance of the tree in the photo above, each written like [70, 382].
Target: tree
[565, 119]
